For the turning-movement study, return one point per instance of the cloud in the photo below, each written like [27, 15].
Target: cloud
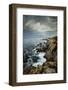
[41, 24]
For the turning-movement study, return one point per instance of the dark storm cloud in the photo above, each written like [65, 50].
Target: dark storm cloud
[39, 23]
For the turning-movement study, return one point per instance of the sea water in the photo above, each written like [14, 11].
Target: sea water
[41, 59]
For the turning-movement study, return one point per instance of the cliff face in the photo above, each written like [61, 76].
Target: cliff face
[51, 56]
[51, 52]
[50, 66]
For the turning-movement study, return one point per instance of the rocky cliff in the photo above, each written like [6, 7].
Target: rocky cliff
[50, 66]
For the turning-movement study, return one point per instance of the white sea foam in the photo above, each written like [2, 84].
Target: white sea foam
[41, 59]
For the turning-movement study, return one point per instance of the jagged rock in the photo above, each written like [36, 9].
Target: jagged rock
[51, 52]
[36, 70]
[50, 66]
[50, 70]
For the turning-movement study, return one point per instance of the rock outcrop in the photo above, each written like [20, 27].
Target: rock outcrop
[50, 66]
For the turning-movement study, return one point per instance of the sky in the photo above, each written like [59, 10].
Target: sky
[40, 23]
[39, 27]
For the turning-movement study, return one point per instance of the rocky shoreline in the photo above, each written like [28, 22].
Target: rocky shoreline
[50, 66]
